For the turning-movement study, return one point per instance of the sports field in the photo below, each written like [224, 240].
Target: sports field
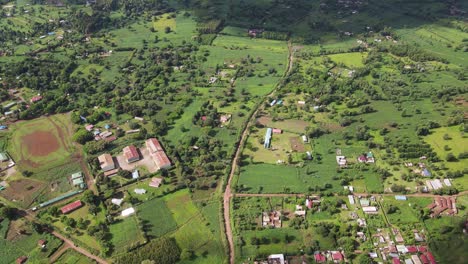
[42, 143]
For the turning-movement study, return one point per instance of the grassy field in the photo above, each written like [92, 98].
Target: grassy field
[456, 142]
[72, 257]
[267, 178]
[156, 218]
[126, 233]
[281, 148]
[404, 213]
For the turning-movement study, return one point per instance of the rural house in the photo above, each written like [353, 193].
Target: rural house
[106, 162]
[41, 243]
[36, 98]
[21, 260]
[71, 207]
[131, 154]
[157, 153]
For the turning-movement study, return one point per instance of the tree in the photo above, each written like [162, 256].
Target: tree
[7, 212]
[162, 250]
[450, 157]
[90, 197]
[364, 258]
[125, 174]
[82, 136]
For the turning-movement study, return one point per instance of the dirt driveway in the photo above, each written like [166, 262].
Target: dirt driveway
[146, 161]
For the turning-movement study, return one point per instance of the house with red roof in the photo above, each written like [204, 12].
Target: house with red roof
[337, 256]
[157, 153]
[431, 258]
[41, 243]
[36, 98]
[319, 257]
[21, 260]
[277, 131]
[131, 154]
[71, 207]
[424, 259]
[422, 248]
[412, 249]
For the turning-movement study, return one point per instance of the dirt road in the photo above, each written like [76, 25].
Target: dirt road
[78, 249]
[67, 242]
[430, 195]
[228, 192]
[59, 252]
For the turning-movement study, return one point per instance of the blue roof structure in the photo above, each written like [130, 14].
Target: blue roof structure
[400, 197]
[267, 140]
[426, 173]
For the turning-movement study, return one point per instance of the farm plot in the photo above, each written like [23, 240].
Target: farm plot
[15, 243]
[156, 226]
[72, 257]
[23, 191]
[399, 212]
[282, 146]
[268, 178]
[177, 216]
[126, 233]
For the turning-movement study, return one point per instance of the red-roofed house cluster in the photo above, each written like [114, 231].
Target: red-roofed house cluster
[442, 204]
[419, 255]
[329, 256]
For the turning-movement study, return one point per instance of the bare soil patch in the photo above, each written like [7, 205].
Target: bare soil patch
[23, 191]
[17, 230]
[41, 143]
[296, 144]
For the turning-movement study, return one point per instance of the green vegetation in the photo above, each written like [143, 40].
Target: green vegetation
[72, 257]
[126, 233]
[378, 88]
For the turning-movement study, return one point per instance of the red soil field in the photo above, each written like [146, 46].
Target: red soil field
[40, 143]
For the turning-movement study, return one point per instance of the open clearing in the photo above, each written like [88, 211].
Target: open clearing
[41, 143]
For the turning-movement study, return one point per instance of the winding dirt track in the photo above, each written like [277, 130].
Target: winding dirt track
[228, 192]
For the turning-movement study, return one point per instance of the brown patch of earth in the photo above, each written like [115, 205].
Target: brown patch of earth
[296, 144]
[40, 143]
[23, 191]
[17, 230]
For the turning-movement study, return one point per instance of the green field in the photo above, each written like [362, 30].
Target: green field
[26, 244]
[126, 233]
[156, 218]
[177, 216]
[72, 257]
[404, 213]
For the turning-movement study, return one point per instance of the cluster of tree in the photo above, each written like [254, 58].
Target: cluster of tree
[413, 151]
[448, 190]
[162, 251]
[257, 241]
[207, 116]
[7, 212]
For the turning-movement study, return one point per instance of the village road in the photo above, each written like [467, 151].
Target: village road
[228, 191]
